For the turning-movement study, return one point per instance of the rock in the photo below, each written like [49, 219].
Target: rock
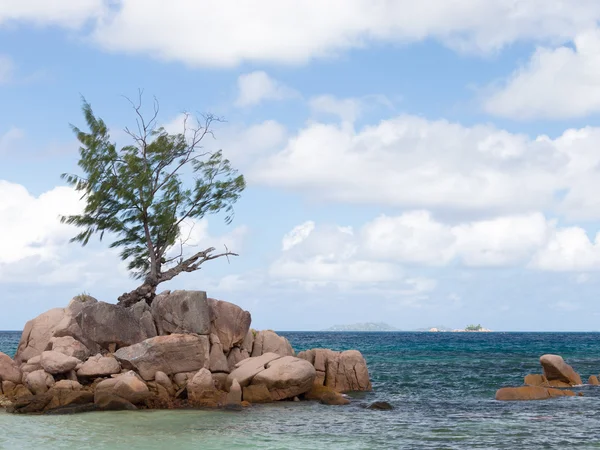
[286, 377]
[267, 341]
[235, 356]
[67, 385]
[536, 380]
[55, 362]
[7, 388]
[162, 379]
[31, 404]
[9, 369]
[220, 379]
[248, 342]
[39, 382]
[218, 360]
[318, 357]
[593, 380]
[99, 366]
[229, 322]
[201, 387]
[108, 402]
[181, 312]
[182, 379]
[79, 302]
[32, 364]
[247, 369]
[257, 393]
[348, 372]
[325, 395]
[380, 406]
[234, 396]
[170, 354]
[105, 324]
[555, 368]
[62, 398]
[127, 386]
[558, 384]
[67, 345]
[530, 393]
[37, 334]
[143, 313]
[21, 391]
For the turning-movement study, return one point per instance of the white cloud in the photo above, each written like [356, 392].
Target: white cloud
[556, 83]
[415, 237]
[229, 32]
[66, 13]
[569, 249]
[258, 86]
[297, 235]
[414, 163]
[348, 110]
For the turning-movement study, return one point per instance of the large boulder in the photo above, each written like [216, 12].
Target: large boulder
[286, 377]
[99, 366]
[523, 393]
[181, 312]
[556, 369]
[127, 386]
[169, 354]
[235, 356]
[55, 362]
[105, 324]
[201, 386]
[67, 345]
[9, 369]
[229, 322]
[257, 393]
[39, 382]
[247, 369]
[267, 341]
[37, 334]
[341, 371]
[325, 395]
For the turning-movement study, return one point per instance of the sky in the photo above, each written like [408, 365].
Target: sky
[416, 163]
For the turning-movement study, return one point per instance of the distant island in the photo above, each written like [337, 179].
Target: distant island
[368, 326]
[468, 329]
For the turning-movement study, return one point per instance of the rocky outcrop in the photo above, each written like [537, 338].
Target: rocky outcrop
[169, 354]
[181, 312]
[535, 379]
[268, 341]
[202, 357]
[524, 393]
[556, 369]
[341, 371]
[593, 380]
[229, 322]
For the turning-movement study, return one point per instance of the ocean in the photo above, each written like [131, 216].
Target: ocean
[441, 385]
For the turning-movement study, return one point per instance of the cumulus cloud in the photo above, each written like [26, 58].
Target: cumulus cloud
[66, 13]
[415, 163]
[555, 84]
[258, 86]
[228, 32]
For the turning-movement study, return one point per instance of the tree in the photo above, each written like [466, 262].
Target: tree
[142, 193]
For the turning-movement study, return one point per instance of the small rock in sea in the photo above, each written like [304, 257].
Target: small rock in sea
[380, 406]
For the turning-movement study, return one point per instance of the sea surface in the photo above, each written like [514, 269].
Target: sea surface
[441, 385]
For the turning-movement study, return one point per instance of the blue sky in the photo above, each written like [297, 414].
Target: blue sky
[420, 165]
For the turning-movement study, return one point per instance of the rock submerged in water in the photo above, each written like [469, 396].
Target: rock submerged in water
[531, 393]
[556, 369]
[185, 350]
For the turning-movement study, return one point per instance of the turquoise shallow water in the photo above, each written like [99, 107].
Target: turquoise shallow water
[441, 384]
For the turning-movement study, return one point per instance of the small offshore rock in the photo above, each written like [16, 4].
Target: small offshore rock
[380, 406]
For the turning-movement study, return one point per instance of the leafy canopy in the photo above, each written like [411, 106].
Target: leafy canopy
[143, 192]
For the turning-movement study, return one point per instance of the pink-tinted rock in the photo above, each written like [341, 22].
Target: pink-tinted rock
[69, 346]
[555, 368]
[268, 341]
[230, 322]
[39, 382]
[181, 312]
[127, 386]
[170, 354]
[99, 366]
[247, 369]
[9, 369]
[55, 362]
[286, 377]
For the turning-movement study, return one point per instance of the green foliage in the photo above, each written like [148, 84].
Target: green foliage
[474, 328]
[142, 192]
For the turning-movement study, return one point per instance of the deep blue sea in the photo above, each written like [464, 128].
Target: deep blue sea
[442, 386]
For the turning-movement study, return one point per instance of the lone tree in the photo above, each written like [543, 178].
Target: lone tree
[142, 193]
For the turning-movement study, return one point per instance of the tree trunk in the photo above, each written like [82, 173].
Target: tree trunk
[145, 292]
